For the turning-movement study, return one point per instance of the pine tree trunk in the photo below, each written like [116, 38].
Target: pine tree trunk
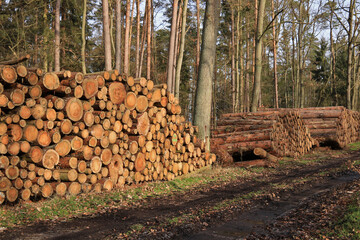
[57, 36]
[232, 54]
[106, 32]
[203, 101]
[137, 48]
[83, 38]
[181, 51]
[171, 59]
[258, 60]
[126, 39]
[276, 102]
[148, 60]
[118, 36]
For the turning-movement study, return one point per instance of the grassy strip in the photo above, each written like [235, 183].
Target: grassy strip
[86, 204]
[348, 227]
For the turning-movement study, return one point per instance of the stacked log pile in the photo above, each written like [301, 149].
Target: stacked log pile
[332, 125]
[66, 133]
[281, 132]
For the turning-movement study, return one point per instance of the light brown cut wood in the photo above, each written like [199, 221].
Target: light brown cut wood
[90, 87]
[106, 156]
[50, 159]
[5, 184]
[47, 190]
[95, 164]
[74, 109]
[66, 126]
[68, 175]
[74, 188]
[117, 92]
[12, 194]
[12, 172]
[130, 100]
[8, 74]
[61, 189]
[43, 138]
[38, 111]
[63, 148]
[50, 81]
[25, 194]
[32, 78]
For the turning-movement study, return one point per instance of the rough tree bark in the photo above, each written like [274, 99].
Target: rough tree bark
[137, 47]
[118, 36]
[126, 38]
[258, 60]
[181, 51]
[203, 96]
[276, 100]
[170, 67]
[106, 32]
[148, 59]
[83, 38]
[57, 36]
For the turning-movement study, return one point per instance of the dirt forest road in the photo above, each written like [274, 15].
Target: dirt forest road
[293, 201]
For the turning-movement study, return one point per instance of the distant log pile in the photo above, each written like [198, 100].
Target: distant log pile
[287, 132]
[331, 125]
[281, 132]
[66, 133]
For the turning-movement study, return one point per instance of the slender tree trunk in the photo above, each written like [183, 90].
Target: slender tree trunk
[83, 38]
[142, 49]
[206, 71]
[137, 48]
[333, 64]
[349, 52]
[170, 67]
[126, 38]
[106, 32]
[258, 57]
[232, 54]
[197, 36]
[112, 40]
[46, 39]
[118, 36]
[181, 51]
[148, 61]
[247, 83]
[241, 64]
[57, 36]
[276, 102]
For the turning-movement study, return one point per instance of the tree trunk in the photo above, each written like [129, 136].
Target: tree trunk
[106, 32]
[206, 70]
[181, 51]
[258, 60]
[232, 54]
[171, 59]
[57, 36]
[197, 36]
[276, 100]
[333, 63]
[137, 48]
[349, 52]
[118, 36]
[126, 39]
[83, 39]
[148, 60]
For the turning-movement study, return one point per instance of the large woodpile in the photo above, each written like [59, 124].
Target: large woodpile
[66, 133]
[281, 132]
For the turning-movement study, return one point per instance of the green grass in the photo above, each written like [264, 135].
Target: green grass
[348, 227]
[87, 204]
[354, 146]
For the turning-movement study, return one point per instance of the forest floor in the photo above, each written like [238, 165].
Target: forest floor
[304, 198]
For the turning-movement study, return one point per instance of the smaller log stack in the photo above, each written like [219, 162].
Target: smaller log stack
[269, 130]
[336, 126]
[65, 133]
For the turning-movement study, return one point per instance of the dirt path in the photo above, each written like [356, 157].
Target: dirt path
[199, 212]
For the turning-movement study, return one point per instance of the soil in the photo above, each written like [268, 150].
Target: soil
[293, 202]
